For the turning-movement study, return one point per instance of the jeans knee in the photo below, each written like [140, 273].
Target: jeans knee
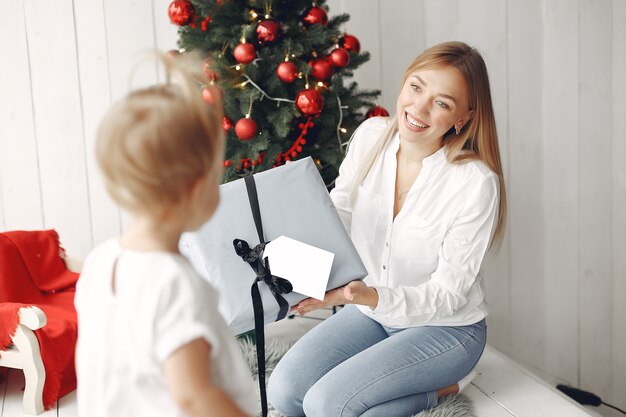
[280, 393]
[325, 400]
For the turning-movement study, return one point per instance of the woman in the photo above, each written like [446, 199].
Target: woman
[422, 196]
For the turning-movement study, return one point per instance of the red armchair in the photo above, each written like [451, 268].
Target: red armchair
[38, 325]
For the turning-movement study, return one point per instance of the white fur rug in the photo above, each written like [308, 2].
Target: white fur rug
[451, 406]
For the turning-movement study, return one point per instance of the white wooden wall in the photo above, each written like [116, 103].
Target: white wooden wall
[558, 77]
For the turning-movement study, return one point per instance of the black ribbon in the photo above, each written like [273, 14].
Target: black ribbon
[277, 285]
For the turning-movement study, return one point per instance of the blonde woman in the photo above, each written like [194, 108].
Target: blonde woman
[422, 195]
[151, 339]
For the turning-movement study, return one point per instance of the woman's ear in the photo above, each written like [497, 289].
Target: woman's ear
[460, 124]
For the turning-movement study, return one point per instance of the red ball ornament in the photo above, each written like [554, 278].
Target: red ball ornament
[205, 23]
[339, 58]
[315, 16]
[321, 68]
[309, 102]
[209, 94]
[377, 111]
[245, 53]
[350, 43]
[181, 12]
[287, 71]
[246, 128]
[268, 31]
[227, 124]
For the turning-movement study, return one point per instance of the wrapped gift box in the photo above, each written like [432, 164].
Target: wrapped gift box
[293, 201]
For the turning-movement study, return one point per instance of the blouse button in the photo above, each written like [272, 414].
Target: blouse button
[384, 267]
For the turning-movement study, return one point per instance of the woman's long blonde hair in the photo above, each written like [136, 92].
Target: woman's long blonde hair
[478, 140]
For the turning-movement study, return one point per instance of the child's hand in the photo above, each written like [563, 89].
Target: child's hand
[355, 292]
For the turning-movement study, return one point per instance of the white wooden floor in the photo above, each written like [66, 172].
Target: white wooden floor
[502, 388]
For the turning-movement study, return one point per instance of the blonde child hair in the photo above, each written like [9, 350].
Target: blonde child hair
[478, 139]
[157, 141]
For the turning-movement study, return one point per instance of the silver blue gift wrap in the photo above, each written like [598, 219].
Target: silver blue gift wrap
[294, 202]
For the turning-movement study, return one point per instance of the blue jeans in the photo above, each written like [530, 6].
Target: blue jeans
[351, 365]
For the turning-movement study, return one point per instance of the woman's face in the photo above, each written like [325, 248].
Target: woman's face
[430, 103]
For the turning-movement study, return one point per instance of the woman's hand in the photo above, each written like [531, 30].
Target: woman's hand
[355, 292]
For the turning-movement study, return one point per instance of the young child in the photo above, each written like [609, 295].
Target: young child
[151, 340]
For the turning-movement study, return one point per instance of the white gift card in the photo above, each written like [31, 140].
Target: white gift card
[305, 266]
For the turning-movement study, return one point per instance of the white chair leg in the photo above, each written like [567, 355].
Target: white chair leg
[34, 371]
[31, 318]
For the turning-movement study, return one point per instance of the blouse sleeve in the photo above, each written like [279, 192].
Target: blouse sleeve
[460, 258]
[368, 130]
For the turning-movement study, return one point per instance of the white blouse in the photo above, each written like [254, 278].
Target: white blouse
[425, 263]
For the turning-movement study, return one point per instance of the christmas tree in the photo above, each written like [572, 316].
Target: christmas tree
[281, 67]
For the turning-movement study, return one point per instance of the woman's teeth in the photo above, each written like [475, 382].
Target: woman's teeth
[414, 122]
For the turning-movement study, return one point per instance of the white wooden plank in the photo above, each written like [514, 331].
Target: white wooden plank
[19, 167]
[483, 405]
[482, 24]
[165, 32]
[402, 39]
[364, 23]
[595, 144]
[57, 111]
[525, 196]
[3, 384]
[129, 34]
[560, 192]
[94, 86]
[68, 407]
[2, 222]
[441, 21]
[618, 159]
[519, 391]
[14, 394]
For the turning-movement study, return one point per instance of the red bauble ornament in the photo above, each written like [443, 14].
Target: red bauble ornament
[321, 69]
[246, 128]
[268, 31]
[245, 53]
[350, 43]
[227, 124]
[205, 23]
[315, 16]
[181, 12]
[377, 111]
[209, 94]
[287, 71]
[309, 102]
[339, 58]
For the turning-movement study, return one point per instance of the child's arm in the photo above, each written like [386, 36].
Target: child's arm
[188, 376]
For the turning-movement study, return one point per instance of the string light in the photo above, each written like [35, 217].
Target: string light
[263, 93]
[339, 128]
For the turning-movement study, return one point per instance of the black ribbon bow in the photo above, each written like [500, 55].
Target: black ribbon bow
[277, 285]
[261, 268]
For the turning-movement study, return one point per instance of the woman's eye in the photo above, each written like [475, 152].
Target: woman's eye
[442, 104]
[416, 87]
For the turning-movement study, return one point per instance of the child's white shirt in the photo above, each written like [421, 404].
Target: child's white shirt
[160, 304]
